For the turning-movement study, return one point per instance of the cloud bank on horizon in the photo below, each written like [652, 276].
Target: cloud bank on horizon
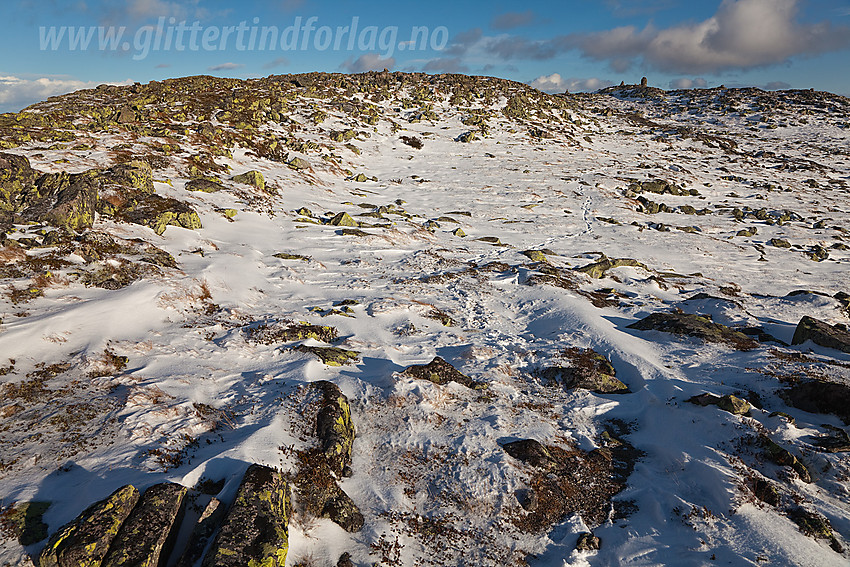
[582, 45]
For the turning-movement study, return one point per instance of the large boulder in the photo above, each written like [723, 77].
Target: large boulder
[818, 396]
[822, 333]
[695, 326]
[135, 174]
[86, 540]
[255, 531]
[252, 178]
[17, 178]
[67, 201]
[159, 212]
[147, 536]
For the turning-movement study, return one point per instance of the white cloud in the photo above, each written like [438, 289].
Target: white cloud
[685, 83]
[17, 92]
[742, 34]
[367, 62]
[554, 83]
[225, 67]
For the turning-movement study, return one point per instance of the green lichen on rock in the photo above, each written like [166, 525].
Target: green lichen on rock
[729, 403]
[360, 178]
[159, 212]
[334, 426]
[588, 370]
[17, 178]
[85, 541]
[273, 333]
[779, 243]
[536, 255]
[441, 372]
[298, 163]
[783, 457]
[24, 522]
[136, 174]
[204, 185]
[146, 537]
[342, 219]
[695, 326]
[332, 356]
[597, 269]
[289, 256]
[255, 532]
[253, 178]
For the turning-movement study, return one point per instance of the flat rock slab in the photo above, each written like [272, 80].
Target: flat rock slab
[695, 326]
[822, 333]
[147, 535]
[821, 397]
[255, 531]
[86, 540]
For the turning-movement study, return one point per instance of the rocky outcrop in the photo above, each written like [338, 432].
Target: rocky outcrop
[588, 370]
[158, 212]
[334, 427]
[253, 178]
[441, 372]
[822, 333]
[818, 396]
[729, 403]
[695, 326]
[146, 537]
[86, 540]
[597, 269]
[204, 528]
[783, 457]
[255, 531]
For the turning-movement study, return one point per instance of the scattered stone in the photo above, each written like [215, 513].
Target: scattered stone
[345, 560]
[588, 542]
[441, 372]
[253, 178]
[255, 531]
[536, 255]
[779, 243]
[360, 178]
[467, 137]
[816, 526]
[298, 163]
[597, 269]
[273, 333]
[766, 492]
[589, 370]
[288, 256]
[729, 403]
[204, 186]
[86, 540]
[459, 232]
[783, 457]
[530, 452]
[146, 537]
[695, 326]
[332, 356]
[821, 333]
[342, 219]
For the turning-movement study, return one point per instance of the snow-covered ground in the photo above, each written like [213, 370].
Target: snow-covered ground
[429, 473]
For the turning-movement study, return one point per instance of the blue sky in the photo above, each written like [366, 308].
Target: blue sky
[573, 44]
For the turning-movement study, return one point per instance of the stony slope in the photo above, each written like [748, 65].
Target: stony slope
[521, 299]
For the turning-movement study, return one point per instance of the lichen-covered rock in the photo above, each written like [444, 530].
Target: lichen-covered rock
[729, 403]
[818, 396]
[332, 356]
[530, 452]
[255, 532]
[334, 427]
[24, 521]
[821, 333]
[536, 255]
[85, 541]
[342, 219]
[159, 212]
[695, 326]
[815, 525]
[253, 178]
[204, 185]
[588, 370]
[298, 163]
[68, 201]
[135, 174]
[17, 178]
[272, 333]
[588, 542]
[360, 178]
[439, 371]
[783, 457]
[597, 269]
[147, 536]
[342, 510]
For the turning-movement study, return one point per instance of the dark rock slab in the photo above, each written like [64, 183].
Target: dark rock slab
[204, 186]
[588, 542]
[208, 522]
[67, 201]
[86, 540]
[439, 371]
[530, 452]
[255, 531]
[134, 174]
[729, 403]
[158, 213]
[695, 326]
[783, 457]
[146, 537]
[821, 397]
[822, 333]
